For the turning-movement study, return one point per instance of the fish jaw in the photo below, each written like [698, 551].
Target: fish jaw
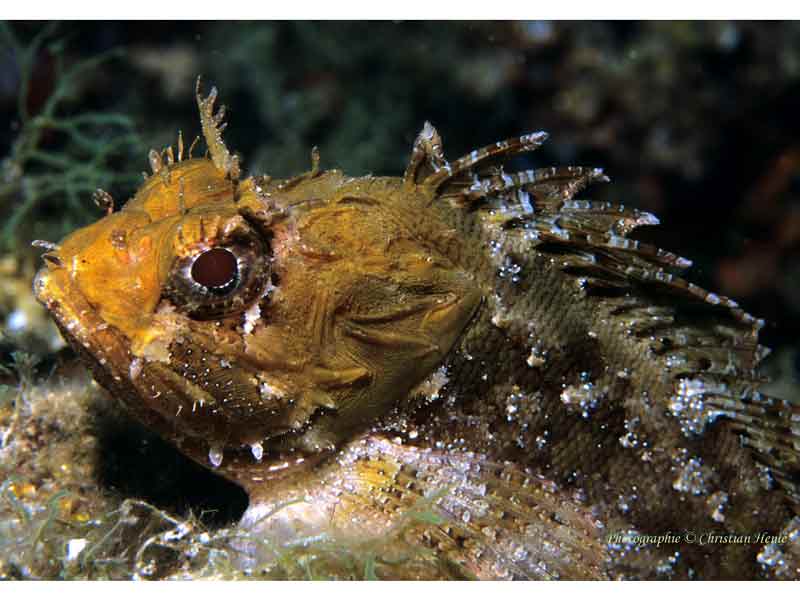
[100, 346]
[107, 353]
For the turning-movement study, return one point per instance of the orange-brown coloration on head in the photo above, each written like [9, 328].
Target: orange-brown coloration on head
[120, 263]
[339, 306]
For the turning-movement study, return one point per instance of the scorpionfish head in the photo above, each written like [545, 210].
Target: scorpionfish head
[255, 318]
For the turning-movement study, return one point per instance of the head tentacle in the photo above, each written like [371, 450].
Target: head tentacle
[213, 126]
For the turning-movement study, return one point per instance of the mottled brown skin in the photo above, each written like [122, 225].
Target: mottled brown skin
[457, 330]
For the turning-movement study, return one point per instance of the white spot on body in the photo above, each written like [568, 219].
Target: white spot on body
[215, 456]
[689, 407]
[135, 369]
[717, 503]
[770, 555]
[525, 200]
[582, 398]
[692, 478]
[258, 451]
[432, 386]
[268, 391]
[251, 317]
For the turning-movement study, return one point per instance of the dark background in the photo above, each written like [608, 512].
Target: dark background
[697, 122]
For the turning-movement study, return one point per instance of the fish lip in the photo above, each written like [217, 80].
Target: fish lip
[79, 322]
[109, 356]
[105, 347]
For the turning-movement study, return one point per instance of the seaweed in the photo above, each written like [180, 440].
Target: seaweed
[22, 365]
[60, 155]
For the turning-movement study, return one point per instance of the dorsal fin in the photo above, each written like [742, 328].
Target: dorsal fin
[426, 156]
[540, 204]
[429, 167]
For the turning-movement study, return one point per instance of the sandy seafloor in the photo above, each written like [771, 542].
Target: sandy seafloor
[695, 122]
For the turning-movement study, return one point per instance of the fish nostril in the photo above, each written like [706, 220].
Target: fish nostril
[52, 260]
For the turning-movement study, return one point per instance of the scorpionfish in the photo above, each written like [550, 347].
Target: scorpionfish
[474, 337]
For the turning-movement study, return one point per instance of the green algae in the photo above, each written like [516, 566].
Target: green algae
[60, 155]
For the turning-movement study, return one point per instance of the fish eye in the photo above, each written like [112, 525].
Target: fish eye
[215, 269]
[213, 281]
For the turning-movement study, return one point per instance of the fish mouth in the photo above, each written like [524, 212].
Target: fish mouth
[89, 335]
[141, 386]
[101, 346]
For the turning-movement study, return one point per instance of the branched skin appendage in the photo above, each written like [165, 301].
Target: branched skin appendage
[461, 333]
